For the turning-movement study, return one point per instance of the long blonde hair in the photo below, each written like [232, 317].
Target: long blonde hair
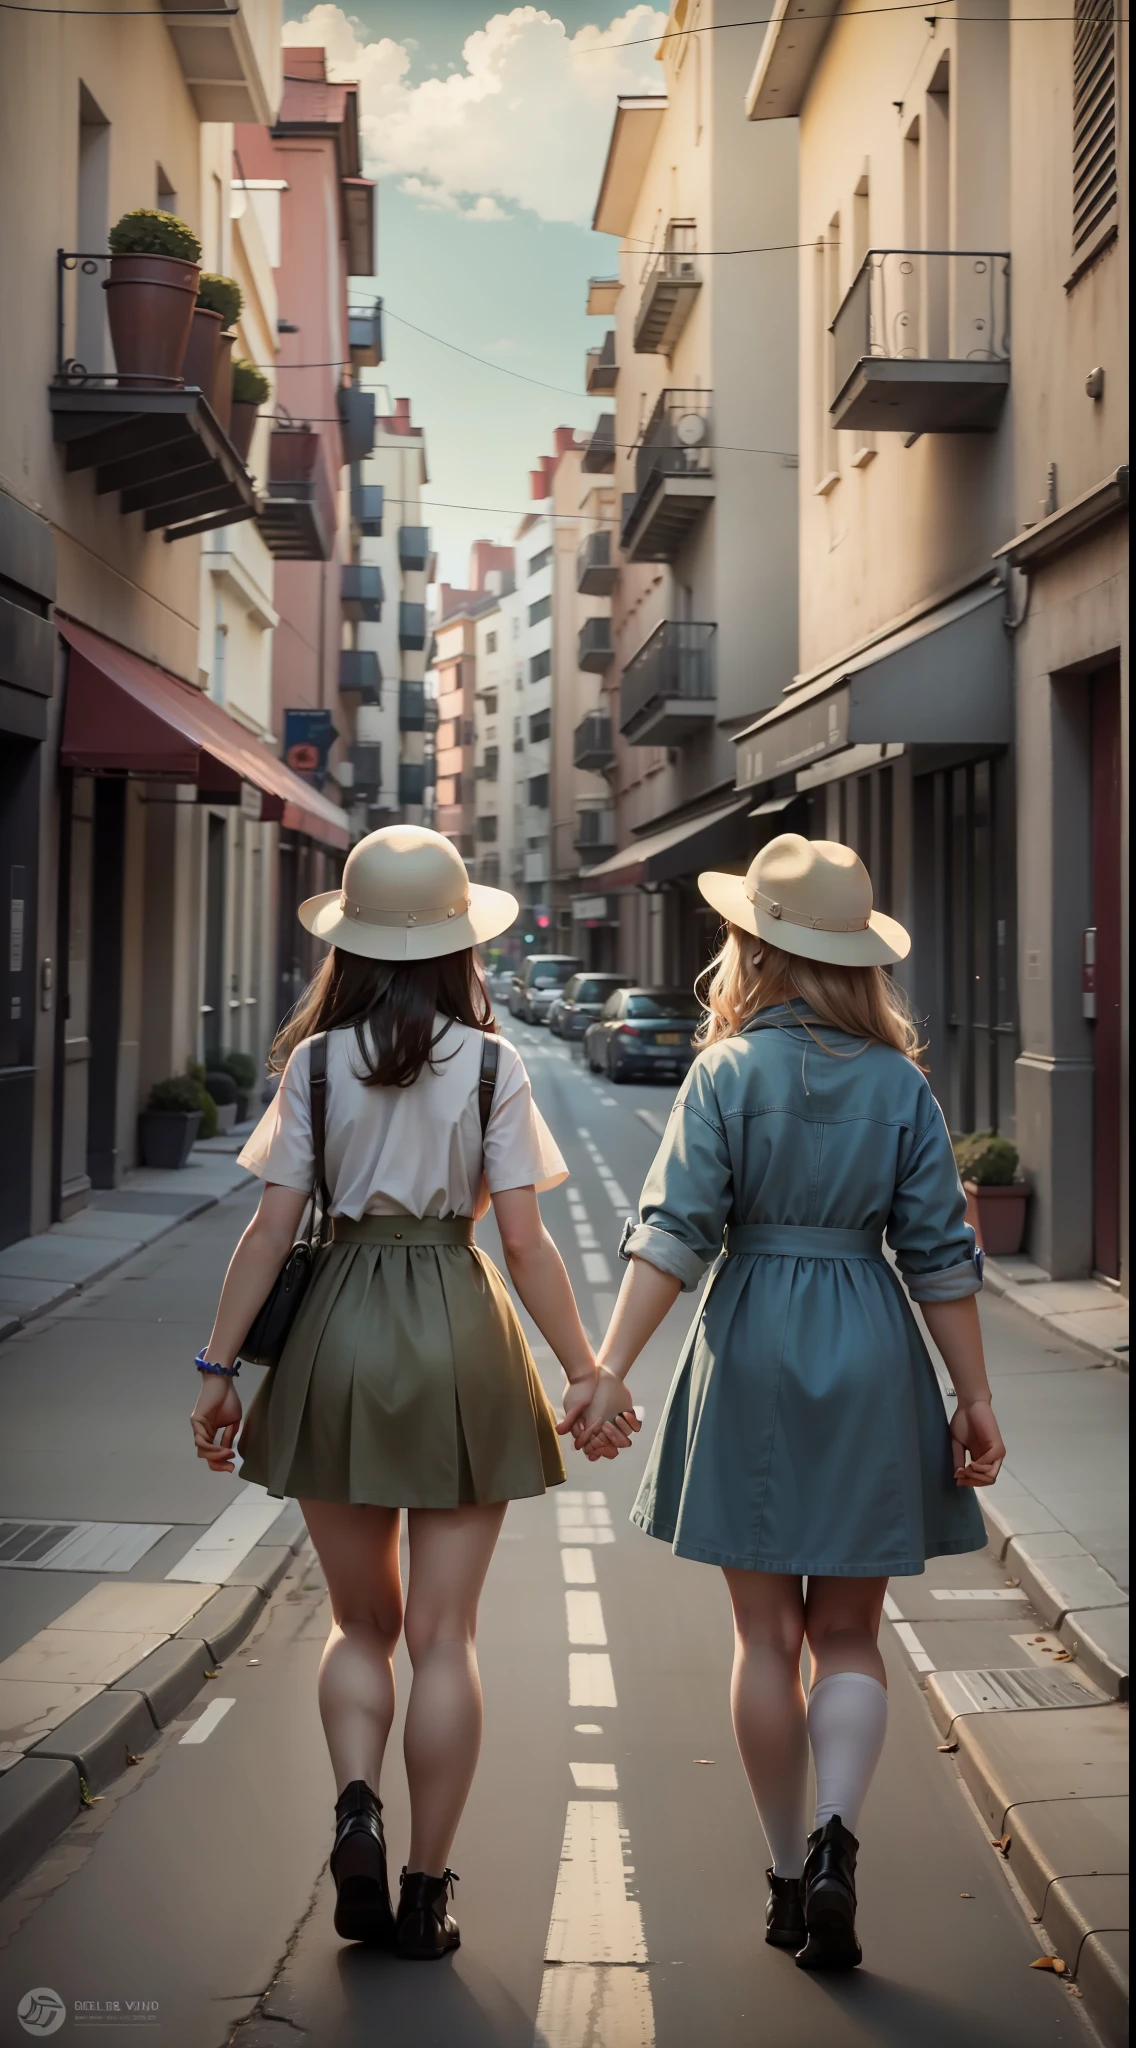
[749, 975]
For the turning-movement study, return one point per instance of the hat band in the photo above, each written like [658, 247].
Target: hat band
[401, 919]
[815, 924]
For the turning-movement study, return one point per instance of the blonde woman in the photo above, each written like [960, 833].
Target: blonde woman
[406, 1381]
[804, 1436]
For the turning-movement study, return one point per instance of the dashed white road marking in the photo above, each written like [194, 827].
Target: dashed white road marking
[891, 1609]
[588, 1728]
[594, 1777]
[583, 1519]
[579, 1567]
[594, 1920]
[588, 2007]
[597, 1272]
[609, 1101]
[205, 1723]
[913, 1646]
[979, 1593]
[585, 1617]
[591, 1682]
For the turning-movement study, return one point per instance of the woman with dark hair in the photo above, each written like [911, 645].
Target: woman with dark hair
[406, 1381]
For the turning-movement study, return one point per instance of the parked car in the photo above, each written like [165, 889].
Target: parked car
[539, 982]
[582, 1001]
[643, 1031]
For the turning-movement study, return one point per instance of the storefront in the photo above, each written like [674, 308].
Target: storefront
[666, 932]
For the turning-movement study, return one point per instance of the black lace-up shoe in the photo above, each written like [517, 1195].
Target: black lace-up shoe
[785, 1912]
[425, 1929]
[363, 1910]
[829, 1887]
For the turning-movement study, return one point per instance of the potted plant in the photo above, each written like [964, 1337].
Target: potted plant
[151, 292]
[170, 1122]
[242, 1070]
[205, 1102]
[250, 389]
[222, 297]
[223, 1091]
[996, 1197]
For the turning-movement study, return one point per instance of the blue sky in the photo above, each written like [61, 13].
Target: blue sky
[488, 154]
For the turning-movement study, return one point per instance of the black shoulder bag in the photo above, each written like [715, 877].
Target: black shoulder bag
[490, 1054]
[269, 1332]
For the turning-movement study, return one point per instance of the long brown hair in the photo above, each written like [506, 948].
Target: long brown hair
[393, 1007]
[863, 1001]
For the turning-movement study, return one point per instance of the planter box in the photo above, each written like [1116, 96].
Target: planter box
[166, 1136]
[998, 1217]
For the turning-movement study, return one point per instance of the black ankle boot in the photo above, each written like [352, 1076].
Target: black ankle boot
[829, 1887]
[425, 1929]
[363, 1910]
[785, 1913]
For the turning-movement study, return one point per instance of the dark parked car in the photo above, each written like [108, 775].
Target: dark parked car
[582, 1001]
[643, 1031]
[539, 982]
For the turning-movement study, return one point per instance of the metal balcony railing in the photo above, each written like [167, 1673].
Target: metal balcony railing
[599, 455]
[357, 419]
[367, 509]
[411, 706]
[671, 283]
[367, 767]
[594, 648]
[412, 627]
[674, 468]
[413, 546]
[411, 782]
[365, 337]
[921, 341]
[360, 673]
[600, 372]
[595, 568]
[595, 833]
[668, 686]
[592, 743]
[361, 592]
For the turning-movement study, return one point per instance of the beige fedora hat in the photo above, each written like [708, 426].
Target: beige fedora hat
[406, 896]
[811, 897]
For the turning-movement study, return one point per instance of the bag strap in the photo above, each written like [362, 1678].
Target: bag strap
[490, 1054]
[318, 1092]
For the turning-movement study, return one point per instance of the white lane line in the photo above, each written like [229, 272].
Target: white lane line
[593, 1918]
[588, 1728]
[585, 1236]
[585, 1618]
[979, 1593]
[609, 1101]
[205, 1723]
[590, 1679]
[597, 1272]
[890, 1609]
[579, 1567]
[913, 1646]
[585, 2007]
[594, 1777]
[227, 1542]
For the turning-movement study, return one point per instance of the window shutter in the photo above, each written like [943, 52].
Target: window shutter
[1094, 121]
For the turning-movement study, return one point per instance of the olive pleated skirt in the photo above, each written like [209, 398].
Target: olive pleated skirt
[406, 1381]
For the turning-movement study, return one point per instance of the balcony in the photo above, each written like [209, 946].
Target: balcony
[230, 54]
[360, 674]
[164, 452]
[921, 343]
[595, 570]
[594, 837]
[361, 592]
[600, 372]
[594, 650]
[413, 547]
[592, 747]
[671, 283]
[366, 759]
[365, 337]
[411, 782]
[411, 707]
[667, 689]
[674, 477]
[412, 627]
[367, 509]
[599, 455]
[357, 421]
[536, 867]
[297, 515]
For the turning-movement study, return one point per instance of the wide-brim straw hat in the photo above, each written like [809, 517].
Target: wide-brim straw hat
[406, 895]
[811, 897]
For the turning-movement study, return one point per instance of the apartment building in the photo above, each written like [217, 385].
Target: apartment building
[385, 672]
[957, 596]
[701, 360]
[121, 768]
[498, 740]
[454, 661]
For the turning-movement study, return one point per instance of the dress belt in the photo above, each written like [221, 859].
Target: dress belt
[400, 1229]
[801, 1241]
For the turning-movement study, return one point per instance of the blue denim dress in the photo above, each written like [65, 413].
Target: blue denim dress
[804, 1430]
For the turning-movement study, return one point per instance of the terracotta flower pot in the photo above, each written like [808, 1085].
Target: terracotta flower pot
[998, 1216]
[200, 365]
[242, 425]
[222, 400]
[150, 302]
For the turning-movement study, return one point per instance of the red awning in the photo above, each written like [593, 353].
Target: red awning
[126, 716]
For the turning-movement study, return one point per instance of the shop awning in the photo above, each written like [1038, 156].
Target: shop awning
[682, 848]
[126, 716]
[943, 679]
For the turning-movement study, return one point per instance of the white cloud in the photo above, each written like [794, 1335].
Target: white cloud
[523, 122]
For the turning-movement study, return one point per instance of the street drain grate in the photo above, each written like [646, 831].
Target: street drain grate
[77, 1546]
[1009, 1692]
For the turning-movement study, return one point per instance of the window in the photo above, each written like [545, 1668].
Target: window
[490, 702]
[1094, 125]
[487, 829]
[518, 726]
[538, 791]
[490, 764]
[540, 725]
[542, 609]
[491, 643]
[540, 666]
[539, 562]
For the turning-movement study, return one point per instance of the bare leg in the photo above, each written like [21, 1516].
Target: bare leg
[847, 1712]
[450, 1552]
[358, 1549]
[768, 1706]
[842, 1623]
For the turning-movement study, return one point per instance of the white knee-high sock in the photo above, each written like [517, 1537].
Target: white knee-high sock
[847, 1721]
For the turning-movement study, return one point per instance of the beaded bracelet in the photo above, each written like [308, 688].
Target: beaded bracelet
[229, 1372]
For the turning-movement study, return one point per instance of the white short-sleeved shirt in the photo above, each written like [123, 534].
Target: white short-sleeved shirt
[417, 1150]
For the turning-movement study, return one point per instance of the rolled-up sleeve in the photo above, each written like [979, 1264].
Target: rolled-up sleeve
[688, 1192]
[280, 1149]
[935, 1247]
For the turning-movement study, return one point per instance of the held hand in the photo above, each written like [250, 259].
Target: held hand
[974, 1432]
[216, 1419]
[577, 1394]
[609, 1421]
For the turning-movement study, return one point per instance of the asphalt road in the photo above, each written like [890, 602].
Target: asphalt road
[612, 1887]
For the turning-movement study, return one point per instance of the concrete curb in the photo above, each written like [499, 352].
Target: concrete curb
[1019, 1296]
[42, 1793]
[1072, 1593]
